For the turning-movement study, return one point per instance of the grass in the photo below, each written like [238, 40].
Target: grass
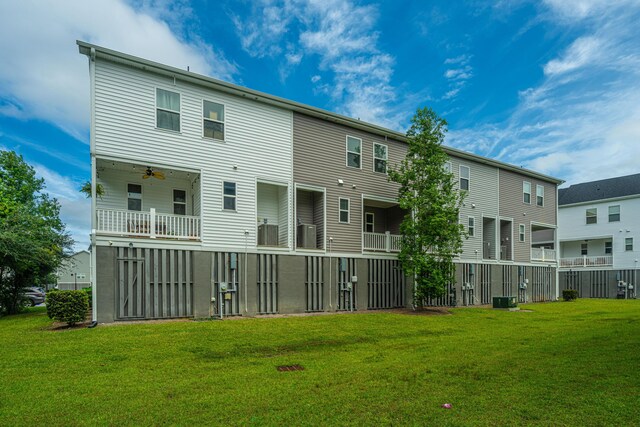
[561, 364]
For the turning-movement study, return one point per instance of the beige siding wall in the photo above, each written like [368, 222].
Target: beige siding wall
[513, 206]
[319, 159]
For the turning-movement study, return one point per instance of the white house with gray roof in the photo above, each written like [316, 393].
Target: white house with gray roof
[599, 234]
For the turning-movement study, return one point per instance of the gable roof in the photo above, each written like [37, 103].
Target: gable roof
[604, 189]
[93, 51]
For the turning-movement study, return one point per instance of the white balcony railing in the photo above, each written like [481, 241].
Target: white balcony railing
[587, 261]
[542, 254]
[386, 242]
[147, 224]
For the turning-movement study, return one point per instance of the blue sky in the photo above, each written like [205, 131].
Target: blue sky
[550, 85]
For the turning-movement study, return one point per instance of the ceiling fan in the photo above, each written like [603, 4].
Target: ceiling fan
[151, 173]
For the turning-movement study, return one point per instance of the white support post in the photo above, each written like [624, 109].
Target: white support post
[387, 240]
[152, 222]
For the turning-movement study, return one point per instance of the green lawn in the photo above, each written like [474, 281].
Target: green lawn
[561, 364]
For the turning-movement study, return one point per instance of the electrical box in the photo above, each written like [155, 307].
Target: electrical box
[523, 286]
[223, 286]
[505, 302]
[342, 264]
[227, 296]
[233, 261]
[306, 236]
[267, 235]
[472, 269]
[354, 279]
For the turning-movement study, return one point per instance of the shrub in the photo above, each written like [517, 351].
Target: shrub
[67, 306]
[89, 295]
[570, 294]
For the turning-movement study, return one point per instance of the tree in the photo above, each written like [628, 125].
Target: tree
[432, 235]
[86, 190]
[33, 239]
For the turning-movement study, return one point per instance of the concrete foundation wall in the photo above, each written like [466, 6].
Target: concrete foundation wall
[599, 283]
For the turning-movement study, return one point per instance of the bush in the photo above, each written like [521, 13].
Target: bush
[570, 294]
[89, 295]
[67, 306]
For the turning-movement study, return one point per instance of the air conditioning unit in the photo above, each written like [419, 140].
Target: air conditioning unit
[267, 235]
[307, 236]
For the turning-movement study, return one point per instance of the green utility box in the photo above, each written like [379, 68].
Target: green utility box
[505, 302]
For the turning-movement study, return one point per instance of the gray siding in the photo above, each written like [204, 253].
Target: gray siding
[512, 206]
[319, 159]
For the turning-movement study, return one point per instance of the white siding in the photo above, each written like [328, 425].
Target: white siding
[573, 230]
[258, 141]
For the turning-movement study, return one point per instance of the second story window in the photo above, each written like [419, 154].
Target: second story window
[229, 196]
[380, 158]
[213, 120]
[526, 192]
[465, 177]
[539, 195]
[167, 110]
[472, 226]
[608, 248]
[343, 215]
[354, 152]
[134, 197]
[614, 213]
[179, 202]
[592, 215]
[628, 244]
[521, 232]
[584, 249]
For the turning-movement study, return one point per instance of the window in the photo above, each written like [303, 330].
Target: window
[539, 195]
[584, 249]
[628, 244]
[448, 167]
[380, 158]
[465, 176]
[343, 210]
[179, 202]
[522, 232]
[213, 120]
[526, 192]
[134, 197]
[229, 196]
[167, 110]
[592, 215]
[368, 222]
[608, 248]
[614, 213]
[354, 151]
[472, 226]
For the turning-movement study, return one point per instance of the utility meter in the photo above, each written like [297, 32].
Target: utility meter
[223, 286]
[233, 261]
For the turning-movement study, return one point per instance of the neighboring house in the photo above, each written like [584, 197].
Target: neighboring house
[221, 199]
[599, 236]
[75, 272]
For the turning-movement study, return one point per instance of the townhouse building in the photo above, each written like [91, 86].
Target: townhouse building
[220, 200]
[599, 233]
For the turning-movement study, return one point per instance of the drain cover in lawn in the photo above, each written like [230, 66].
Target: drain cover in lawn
[286, 368]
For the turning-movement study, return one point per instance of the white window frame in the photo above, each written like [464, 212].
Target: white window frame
[522, 233]
[525, 192]
[340, 210]
[628, 244]
[234, 196]
[584, 249]
[619, 213]
[174, 203]
[386, 159]
[471, 226]
[179, 112]
[539, 195]
[346, 146]
[141, 198]
[587, 216]
[371, 223]
[224, 113]
[460, 168]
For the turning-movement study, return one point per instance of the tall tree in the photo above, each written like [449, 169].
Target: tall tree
[432, 234]
[33, 239]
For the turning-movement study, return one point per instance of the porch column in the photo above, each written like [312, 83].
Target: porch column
[152, 222]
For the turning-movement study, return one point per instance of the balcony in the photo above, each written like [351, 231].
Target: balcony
[150, 224]
[587, 261]
[381, 242]
[543, 254]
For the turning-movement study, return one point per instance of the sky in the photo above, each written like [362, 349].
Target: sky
[551, 85]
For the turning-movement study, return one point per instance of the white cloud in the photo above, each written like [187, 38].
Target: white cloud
[44, 77]
[583, 51]
[458, 75]
[315, 79]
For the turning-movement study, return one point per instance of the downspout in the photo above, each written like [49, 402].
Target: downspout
[94, 177]
[330, 273]
[246, 288]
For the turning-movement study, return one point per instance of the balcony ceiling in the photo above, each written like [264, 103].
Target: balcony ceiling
[139, 169]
